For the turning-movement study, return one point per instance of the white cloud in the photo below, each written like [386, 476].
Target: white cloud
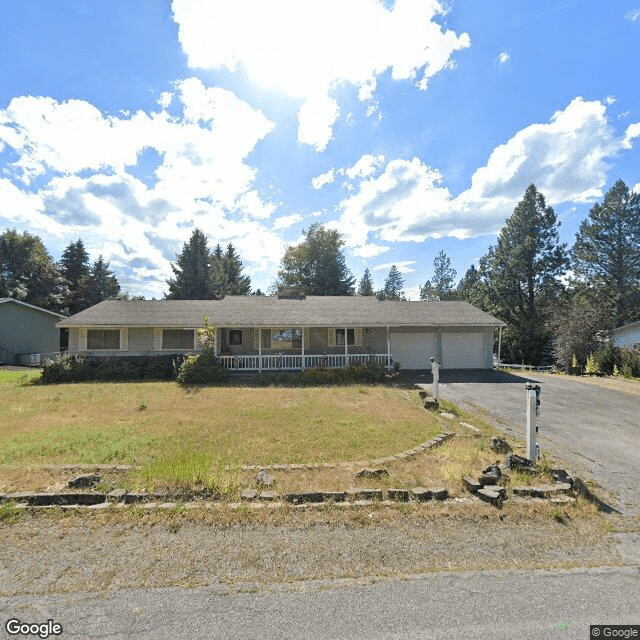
[365, 166]
[403, 267]
[633, 15]
[369, 250]
[284, 222]
[609, 100]
[74, 166]
[324, 178]
[503, 57]
[636, 188]
[307, 49]
[566, 158]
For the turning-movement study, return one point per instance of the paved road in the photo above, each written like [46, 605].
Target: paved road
[594, 430]
[527, 605]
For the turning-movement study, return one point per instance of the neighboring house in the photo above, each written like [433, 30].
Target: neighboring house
[627, 337]
[26, 329]
[292, 331]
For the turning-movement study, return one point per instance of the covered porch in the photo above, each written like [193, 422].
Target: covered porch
[299, 348]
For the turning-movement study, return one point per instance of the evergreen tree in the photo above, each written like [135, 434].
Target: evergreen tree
[365, 286]
[101, 283]
[317, 264]
[521, 277]
[470, 288]
[238, 285]
[218, 274]
[393, 286]
[440, 287]
[27, 271]
[192, 271]
[606, 254]
[74, 268]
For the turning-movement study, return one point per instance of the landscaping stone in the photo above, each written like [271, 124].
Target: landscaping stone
[249, 494]
[560, 475]
[117, 494]
[303, 497]
[365, 494]
[431, 405]
[440, 493]
[518, 463]
[130, 498]
[490, 475]
[372, 473]
[264, 478]
[501, 491]
[399, 495]
[84, 481]
[336, 496]
[492, 497]
[421, 493]
[471, 484]
[268, 495]
[541, 491]
[499, 445]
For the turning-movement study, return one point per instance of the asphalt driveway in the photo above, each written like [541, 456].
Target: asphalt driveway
[592, 426]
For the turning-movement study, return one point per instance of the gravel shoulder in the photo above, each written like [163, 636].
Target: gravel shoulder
[48, 554]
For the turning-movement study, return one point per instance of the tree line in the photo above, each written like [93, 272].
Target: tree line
[556, 301]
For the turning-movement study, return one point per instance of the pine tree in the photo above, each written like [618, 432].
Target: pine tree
[440, 287]
[470, 288]
[74, 268]
[317, 264]
[365, 286]
[238, 285]
[521, 277]
[101, 283]
[606, 254]
[192, 271]
[393, 286]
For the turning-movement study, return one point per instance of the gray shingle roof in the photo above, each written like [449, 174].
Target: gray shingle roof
[270, 311]
[29, 306]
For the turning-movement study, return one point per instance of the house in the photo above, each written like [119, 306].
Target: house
[25, 330]
[292, 331]
[628, 336]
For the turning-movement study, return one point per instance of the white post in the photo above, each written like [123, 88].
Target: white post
[499, 343]
[260, 350]
[388, 350]
[435, 370]
[530, 436]
[346, 348]
[302, 332]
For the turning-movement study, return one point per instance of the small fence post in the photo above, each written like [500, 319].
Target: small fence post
[533, 410]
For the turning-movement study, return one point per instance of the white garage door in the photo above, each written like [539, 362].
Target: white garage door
[413, 350]
[463, 351]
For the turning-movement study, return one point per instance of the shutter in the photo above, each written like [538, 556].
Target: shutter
[305, 337]
[256, 339]
[357, 336]
[196, 341]
[124, 339]
[82, 340]
[332, 337]
[157, 339]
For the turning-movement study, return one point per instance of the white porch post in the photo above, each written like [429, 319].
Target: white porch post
[499, 343]
[302, 332]
[388, 350]
[346, 348]
[260, 350]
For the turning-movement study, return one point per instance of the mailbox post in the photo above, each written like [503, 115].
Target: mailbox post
[435, 370]
[533, 410]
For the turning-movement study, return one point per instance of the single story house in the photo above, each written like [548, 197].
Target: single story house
[292, 331]
[628, 336]
[27, 330]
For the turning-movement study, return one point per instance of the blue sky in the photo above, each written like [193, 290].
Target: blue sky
[411, 126]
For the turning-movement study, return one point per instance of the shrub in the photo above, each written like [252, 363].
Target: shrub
[608, 357]
[203, 368]
[629, 363]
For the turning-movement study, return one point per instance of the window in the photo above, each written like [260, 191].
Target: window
[103, 339]
[286, 338]
[177, 339]
[351, 336]
[235, 337]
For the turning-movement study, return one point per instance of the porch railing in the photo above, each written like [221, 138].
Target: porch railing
[280, 362]
[36, 359]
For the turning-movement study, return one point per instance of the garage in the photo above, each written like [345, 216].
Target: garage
[413, 350]
[463, 350]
